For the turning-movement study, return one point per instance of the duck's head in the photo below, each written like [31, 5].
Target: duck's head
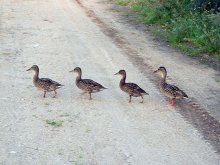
[161, 71]
[34, 67]
[77, 70]
[121, 72]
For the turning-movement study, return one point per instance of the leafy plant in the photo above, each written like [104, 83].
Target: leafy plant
[184, 27]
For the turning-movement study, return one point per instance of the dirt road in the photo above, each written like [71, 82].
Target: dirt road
[59, 35]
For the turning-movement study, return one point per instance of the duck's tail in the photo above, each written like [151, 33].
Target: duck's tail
[185, 95]
[59, 86]
[145, 93]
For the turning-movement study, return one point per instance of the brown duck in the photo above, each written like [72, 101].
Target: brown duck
[44, 84]
[133, 90]
[171, 91]
[87, 85]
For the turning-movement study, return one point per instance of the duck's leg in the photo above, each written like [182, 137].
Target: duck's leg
[129, 98]
[82, 93]
[142, 99]
[90, 96]
[172, 101]
[54, 94]
[45, 93]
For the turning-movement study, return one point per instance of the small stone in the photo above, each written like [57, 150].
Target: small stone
[12, 152]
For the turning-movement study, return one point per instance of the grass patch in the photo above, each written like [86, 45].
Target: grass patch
[88, 130]
[217, 79]
[121, 2]
[46, 103]
[35, 116]
[54, 123]
[218, 57]
[195, 32]
[65, 115]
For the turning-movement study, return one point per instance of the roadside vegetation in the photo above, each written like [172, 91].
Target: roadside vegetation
[193, 28]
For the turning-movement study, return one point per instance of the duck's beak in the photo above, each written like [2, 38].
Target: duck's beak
[28, 69]
[155, 71]
[116, 73]
[72, 70]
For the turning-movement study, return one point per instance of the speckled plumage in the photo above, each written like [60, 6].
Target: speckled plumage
[87, 85]
[171, 91]
[44, 84]
[133, 90]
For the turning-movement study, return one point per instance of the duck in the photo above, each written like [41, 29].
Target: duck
[87, 85]
[44, 84]
[132, 89]
[171, 91]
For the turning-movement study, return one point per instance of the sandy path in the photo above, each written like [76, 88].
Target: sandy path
[58, 36]
[199, 81]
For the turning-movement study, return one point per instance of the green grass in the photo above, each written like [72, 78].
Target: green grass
[46, 103]
[217, 78]
[218, 57]
[122, 2]
[64, 115]
[194, 32]
[55, 123]
[88, 130]
[35, 116]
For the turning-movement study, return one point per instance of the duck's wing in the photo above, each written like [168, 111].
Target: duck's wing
[50, 82]
[134, 88]
[92, 84]
[174, 90]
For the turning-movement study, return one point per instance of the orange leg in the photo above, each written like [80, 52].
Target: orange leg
[172, 101]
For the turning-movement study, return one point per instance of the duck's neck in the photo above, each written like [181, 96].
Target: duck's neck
[78, 78]
[122, 82]
[163, 79]
[36, 76]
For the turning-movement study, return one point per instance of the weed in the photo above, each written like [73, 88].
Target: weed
[218, 57]
[77, 163]
[55, 123]
[35, 116]
[88, 130]
[122, 2]
[46, 103]
[192, 31]
[65, 115]
[217, 78]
